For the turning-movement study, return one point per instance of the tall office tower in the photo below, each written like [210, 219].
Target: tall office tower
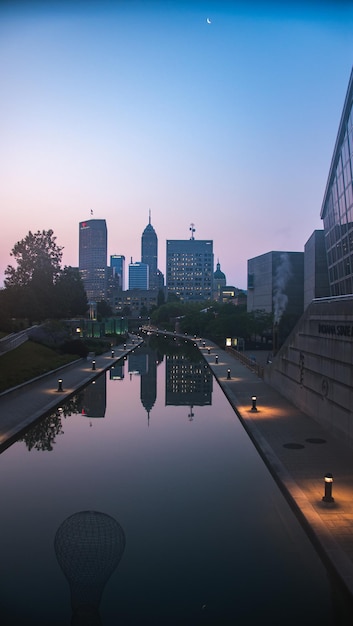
[93, 258]
[337, 205]
[190, 269]
[149, 254]
[138, 275]
[117, 262]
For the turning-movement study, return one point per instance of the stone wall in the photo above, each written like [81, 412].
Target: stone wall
[314, 367]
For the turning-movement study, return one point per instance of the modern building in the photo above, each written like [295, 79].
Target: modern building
[138, 275]
[219, 281]
[117, 263]
[134, 302]
[189, 269]
[313, 367]
[276, 284]
[149, 255]
[93, 258]
[316, 283]
[337, 205]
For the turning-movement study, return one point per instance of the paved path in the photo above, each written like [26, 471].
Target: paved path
[23, 405]
[297, 450]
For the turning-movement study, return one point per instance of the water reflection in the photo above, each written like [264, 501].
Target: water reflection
[88, 546]
[94, 398]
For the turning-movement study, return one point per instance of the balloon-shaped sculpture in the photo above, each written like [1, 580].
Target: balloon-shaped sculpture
[88, 547]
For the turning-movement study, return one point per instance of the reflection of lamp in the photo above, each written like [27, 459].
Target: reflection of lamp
[88, 546]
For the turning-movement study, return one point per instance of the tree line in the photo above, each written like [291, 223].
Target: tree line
[38, 287]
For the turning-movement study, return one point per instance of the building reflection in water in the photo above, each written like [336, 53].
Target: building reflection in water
[187, 383]
[88, 546]
[94, 398]
[116, 371]
[144, 363]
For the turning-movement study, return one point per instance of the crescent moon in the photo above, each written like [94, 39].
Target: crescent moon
[208, 21]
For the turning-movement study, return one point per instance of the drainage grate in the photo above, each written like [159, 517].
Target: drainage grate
[316, 440]
[293, 446]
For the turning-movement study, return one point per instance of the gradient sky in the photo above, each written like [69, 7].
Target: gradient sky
[121, 107]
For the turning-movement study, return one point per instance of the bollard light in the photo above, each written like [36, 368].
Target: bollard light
[124, 346]
[253, 400]
[60, 384]
[228, 374]
[208, 351]
[93, 365]
[328, 488]
[216, 359]
[112, 354]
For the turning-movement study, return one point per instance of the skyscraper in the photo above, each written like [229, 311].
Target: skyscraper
[93, 258]
[138, 276]
[117, 262]
[149, 256]
[190, 269]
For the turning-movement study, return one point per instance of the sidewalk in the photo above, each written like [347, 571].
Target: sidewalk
[23, 405]
[298, 452]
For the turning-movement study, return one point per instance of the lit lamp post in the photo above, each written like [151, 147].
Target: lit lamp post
[112, 354]
[253, 406]
[216, 359]
[328, 488]
[93, 365]
[60, 384]
[228, 374]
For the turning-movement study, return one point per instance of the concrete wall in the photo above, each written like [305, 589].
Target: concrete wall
[314, 368]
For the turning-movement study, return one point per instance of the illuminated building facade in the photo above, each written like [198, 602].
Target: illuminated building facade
[189, 269]
[93, 258]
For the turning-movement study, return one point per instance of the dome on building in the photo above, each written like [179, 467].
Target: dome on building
[219, 275]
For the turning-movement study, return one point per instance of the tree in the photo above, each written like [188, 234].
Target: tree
[38, 259]
[70, 294]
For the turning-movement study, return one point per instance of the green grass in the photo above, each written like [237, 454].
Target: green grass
[28, 361]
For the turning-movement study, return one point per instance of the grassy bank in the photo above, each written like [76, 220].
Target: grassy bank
[28, 361]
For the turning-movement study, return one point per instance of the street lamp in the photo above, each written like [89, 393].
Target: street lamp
[253, 400]
[93, 365]
[328, 488]
[216, 359]
[228, 374]
[60, 385]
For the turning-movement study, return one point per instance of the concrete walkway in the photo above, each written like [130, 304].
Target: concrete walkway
[23, 405]
[298, 452]
[296, 449]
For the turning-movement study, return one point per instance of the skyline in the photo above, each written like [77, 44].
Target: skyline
[124, 107]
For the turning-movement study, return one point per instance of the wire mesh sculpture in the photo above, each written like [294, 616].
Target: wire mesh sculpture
[88, 546]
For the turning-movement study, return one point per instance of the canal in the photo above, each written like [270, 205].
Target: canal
[143, 502]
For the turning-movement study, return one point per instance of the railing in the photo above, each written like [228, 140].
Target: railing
[10, 342]
[250, 363]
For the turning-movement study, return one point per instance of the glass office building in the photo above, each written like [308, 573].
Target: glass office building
[93, 258]
[190, 269]
[337, 206]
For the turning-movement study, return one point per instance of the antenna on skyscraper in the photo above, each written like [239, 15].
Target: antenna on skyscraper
[91, 211]
[192, 228]
[149, 216]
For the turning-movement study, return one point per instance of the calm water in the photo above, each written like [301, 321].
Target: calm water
[201, 530]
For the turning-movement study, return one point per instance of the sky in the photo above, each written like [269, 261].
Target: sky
[220, 114]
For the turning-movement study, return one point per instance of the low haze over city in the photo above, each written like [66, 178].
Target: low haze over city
[219, 114]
